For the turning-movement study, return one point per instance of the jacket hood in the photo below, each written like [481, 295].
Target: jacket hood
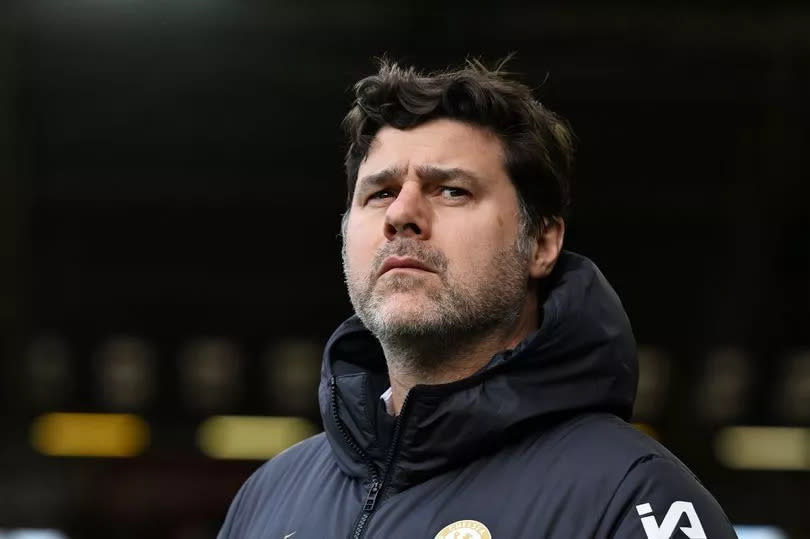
[581, 359]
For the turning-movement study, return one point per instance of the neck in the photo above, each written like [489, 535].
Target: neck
[452, 359]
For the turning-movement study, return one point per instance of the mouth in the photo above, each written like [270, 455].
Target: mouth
[403, 263]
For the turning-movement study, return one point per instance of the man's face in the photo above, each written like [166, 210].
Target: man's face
[432, 244]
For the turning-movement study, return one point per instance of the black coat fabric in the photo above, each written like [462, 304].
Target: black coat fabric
[535, 445]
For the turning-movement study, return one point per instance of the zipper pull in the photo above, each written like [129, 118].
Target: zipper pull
[371, 499]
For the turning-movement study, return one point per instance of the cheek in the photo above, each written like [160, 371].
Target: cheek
[473, 245]
[360, 246]
[471, 250]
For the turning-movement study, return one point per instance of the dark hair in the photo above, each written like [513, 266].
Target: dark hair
[538, 144]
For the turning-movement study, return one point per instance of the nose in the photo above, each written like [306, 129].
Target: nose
[409, 214]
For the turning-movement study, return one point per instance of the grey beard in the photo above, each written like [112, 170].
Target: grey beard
[461, 314]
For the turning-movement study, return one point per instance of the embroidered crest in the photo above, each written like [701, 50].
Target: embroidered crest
[464, 529]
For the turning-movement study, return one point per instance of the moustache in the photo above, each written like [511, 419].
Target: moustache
[416, 249]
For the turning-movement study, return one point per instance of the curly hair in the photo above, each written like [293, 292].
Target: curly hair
[538, 144]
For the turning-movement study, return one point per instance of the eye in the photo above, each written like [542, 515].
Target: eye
[381, 195]
[453, 193]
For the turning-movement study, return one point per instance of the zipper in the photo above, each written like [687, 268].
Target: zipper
[377, 485]
[368, 508]
[374, 489]
[372, 469]
[377, 490]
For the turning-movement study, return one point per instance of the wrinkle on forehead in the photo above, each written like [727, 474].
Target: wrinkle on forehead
[486, 133]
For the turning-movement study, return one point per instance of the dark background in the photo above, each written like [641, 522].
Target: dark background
[171, 172]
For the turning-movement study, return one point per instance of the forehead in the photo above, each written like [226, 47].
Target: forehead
[442, 142]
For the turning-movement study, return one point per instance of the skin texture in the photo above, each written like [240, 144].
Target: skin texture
[439, 194]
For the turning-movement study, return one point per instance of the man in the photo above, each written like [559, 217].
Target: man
[483, 387]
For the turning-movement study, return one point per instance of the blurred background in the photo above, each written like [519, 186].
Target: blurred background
[171, 186]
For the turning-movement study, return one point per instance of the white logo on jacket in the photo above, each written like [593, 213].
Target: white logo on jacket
[670, 522]
[464, 529]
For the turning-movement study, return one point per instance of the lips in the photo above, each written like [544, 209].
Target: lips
[394, 262]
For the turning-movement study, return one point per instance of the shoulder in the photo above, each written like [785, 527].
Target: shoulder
[595, 453]
[311, 456]
[607, 448]
[657, 495]
[605, 442]
[301, 454]
[586, 456]
[642, 483]
[308, 454]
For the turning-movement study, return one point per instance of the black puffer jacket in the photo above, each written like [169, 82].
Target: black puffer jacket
[534, 445]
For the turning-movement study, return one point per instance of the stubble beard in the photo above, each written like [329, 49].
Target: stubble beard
[451, 316]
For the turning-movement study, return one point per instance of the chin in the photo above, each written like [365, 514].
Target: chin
[396, 320]
[406, 310]
[408, 303]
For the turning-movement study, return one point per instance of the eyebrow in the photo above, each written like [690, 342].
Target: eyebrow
[429, 173]
[438, 174]
[381, 177]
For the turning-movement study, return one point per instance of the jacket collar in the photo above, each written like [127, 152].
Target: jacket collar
[582, 358]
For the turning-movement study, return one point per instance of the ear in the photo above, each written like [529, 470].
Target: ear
[547, 247]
